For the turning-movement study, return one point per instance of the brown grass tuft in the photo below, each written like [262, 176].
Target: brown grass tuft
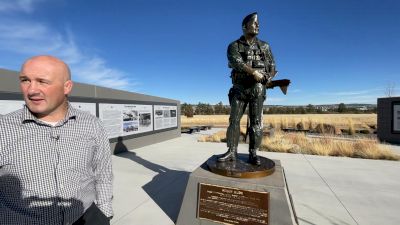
[300, 125]
[324, 128]
[366, 148]
[351, 129]
[220, 136]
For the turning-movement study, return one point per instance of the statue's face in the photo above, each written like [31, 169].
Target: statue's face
[252, 27]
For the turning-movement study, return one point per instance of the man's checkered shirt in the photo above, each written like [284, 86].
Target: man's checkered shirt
[52, 174]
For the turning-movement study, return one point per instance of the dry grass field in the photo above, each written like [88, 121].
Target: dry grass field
[309, 121]
[327, 144]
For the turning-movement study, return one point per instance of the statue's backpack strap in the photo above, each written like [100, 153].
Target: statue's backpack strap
[266, 53]
[263, 48]
[241, 47]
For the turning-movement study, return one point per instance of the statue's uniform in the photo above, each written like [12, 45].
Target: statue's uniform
[246, 90]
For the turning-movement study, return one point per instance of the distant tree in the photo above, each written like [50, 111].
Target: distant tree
[285, 110]
[220, 109]
[290, 110]
[342, 108]
[265, 110]
[209, 109]
[300, 110]
[281, 110]
[183, 108]
[204, 109]
[200, 109]
[187, 110]
[310, 108]
[227, 110]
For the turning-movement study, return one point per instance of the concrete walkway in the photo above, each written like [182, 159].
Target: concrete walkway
[150, 183]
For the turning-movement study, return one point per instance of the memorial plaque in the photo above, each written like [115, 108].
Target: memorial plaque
[233, 206]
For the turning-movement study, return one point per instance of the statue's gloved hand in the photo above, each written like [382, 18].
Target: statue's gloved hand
[258, 76]
[266, 79]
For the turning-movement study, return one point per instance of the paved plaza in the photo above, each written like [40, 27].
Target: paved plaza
[150, 183]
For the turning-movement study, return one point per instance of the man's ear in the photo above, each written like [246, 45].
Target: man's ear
[68, 87]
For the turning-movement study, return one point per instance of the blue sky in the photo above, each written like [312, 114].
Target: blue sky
[333, 50]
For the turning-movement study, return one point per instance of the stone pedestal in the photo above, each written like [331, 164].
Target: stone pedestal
[278, 204]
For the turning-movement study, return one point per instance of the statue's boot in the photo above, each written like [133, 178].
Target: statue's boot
[230, 155]
[254, 158]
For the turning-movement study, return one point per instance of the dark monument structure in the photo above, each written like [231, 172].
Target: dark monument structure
[237, 188]
[389, 119]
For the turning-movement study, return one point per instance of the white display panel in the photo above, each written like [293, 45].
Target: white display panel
[165, 116]
[396, 117]
[126, 119]
[84, 106]
[7, 106]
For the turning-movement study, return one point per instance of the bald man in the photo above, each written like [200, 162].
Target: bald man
[55, 161]
[45, 82]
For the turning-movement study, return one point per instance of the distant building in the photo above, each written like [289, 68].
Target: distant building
[322, 108]
[362, 108]
[389, 119]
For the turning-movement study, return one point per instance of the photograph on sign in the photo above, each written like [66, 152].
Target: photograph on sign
[145, 120]
[129, 127]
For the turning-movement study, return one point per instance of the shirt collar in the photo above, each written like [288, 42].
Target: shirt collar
[243, 40]
[27, 115]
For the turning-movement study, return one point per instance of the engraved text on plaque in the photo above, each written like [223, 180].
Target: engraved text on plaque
[233, 206]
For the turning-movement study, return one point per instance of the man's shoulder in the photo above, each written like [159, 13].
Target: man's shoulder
[9, 124]
[84, 124]
[85, 115]
[12, 117]
[87, 120]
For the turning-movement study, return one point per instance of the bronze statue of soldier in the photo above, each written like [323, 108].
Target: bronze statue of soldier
[253, 68]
